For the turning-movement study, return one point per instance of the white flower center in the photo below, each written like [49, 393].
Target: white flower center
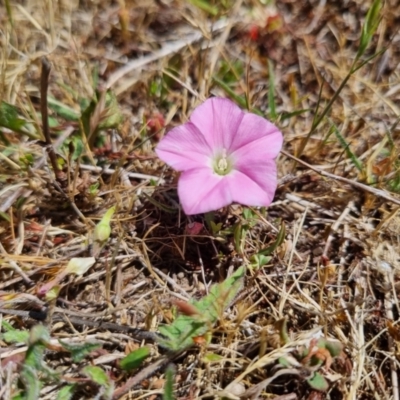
[222, 163]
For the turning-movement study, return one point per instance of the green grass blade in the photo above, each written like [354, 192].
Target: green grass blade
[169, 384]
[238, 99]
[346, 146]
[370, 25]
[271, 91]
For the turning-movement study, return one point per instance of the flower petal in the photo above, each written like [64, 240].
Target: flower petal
[184, 147]
[218, 119]
[254, 183]
[200, 191]
[256, 135]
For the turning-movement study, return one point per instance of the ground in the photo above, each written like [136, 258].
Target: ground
[314, 312]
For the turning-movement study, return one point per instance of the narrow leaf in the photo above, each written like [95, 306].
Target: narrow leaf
[334, 347]
[279, 240]
[238, 99]
[318, 382]
[346, 146]
[15, 336]
[203, 5]
[370, 25]
[66, 392]
[97, 375]
[135, 358]
[169, 384]
[62, 110]
[271, 91]
[79, 351]
[31, 382]
[9, 118]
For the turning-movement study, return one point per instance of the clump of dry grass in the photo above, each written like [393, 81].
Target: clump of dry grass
[133, 69]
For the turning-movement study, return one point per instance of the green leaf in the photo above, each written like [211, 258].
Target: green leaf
[12, 335]
[110, 117]
[39, 335]
[205, 6]
[39, 338]
[318, 382]
[79, 351]
[97, 375]
[113, 116]
[66, 392]
[215, 227]
[259, 260]
[230, 72]
[102, 231]
[346, 146]
[159, 205]
[31, 382]
[7, 326]
[284, 362]
[73, 147]
[281, 326]
[15, 336]
[179, 335]
[5, 216]
[62, 110]
[9, 117]
[239, 233]
[212, 357]
[238, 99]
[53, 293]
[135, 358]
[169, 384]
[271, 91]
[334, 347]
[288, 115]
[279, 240]
[9, 12]
[370, 25]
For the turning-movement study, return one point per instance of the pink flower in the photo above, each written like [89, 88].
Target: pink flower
[226, 155]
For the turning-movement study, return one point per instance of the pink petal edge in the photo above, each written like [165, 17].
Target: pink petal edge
[200, 191]
[218, 119]
[184, 148]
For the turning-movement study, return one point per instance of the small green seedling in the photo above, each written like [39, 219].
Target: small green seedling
[182, 332]
[135, 358]
[102, 232]
[320, 353]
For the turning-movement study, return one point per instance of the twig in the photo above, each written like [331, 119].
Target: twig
[255, 391]
[388, 280]
[335, 226]
[143, 374]
[166, 50]
[15, 267]
[60, 315]
[377, 192]
[71, 201]
[172, 283]
[109, 171]
[44, 84]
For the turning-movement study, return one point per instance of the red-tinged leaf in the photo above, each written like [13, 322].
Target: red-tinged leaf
[185, 308]
[194, 228]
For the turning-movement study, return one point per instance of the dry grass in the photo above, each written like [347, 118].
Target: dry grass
[336, 274]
